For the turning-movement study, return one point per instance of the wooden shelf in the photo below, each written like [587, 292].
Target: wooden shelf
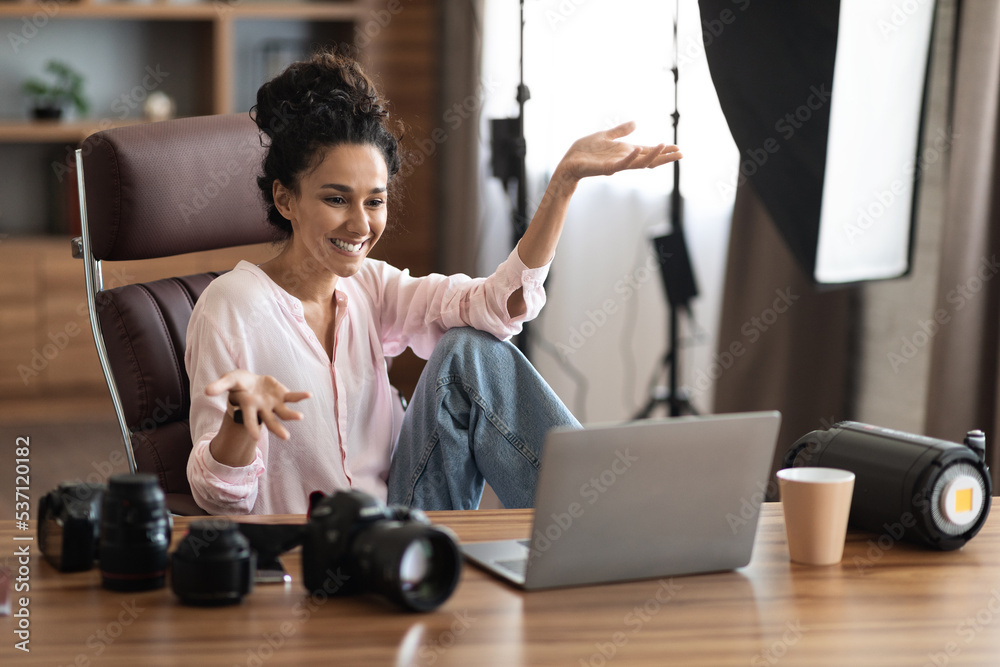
[54, 131]
[201, 11]
[218, 20]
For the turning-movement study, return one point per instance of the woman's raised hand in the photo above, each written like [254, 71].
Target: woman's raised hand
[259, 395]
[600, 154]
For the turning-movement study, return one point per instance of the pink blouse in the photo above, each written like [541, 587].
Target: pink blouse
[352, 419]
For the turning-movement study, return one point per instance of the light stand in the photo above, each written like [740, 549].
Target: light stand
[678, 280]
[509, 149]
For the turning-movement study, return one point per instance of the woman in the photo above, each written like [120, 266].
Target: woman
[313, 326]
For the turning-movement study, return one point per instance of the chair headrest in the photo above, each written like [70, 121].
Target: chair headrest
[178, 186]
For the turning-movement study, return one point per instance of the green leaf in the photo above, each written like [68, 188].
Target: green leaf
[34, 87]
[67, 87]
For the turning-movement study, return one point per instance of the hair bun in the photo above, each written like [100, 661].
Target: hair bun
[324, 101]
[328, 84]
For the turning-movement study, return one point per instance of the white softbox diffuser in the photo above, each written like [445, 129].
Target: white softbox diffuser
[825, 102]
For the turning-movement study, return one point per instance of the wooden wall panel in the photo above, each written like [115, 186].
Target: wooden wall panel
[47, 350]
[404, 56]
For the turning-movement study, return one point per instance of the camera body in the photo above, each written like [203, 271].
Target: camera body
[353, 543]
[69, 521]
[123, 526]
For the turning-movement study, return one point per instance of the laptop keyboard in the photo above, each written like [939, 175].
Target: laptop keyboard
[516, 566]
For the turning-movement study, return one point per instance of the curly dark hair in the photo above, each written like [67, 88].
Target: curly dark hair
[314, 105]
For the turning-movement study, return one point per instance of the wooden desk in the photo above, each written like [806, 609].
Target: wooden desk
[885, 604]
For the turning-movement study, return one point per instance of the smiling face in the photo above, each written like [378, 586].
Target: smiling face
[339, 211]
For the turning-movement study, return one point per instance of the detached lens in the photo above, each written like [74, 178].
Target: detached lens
[213, 565]
[414, 565]
[135, 534]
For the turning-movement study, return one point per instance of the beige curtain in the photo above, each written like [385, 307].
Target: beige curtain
[789, 345]
[963, 384]
[803, 364]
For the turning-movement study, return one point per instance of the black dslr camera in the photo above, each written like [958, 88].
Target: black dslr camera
[69, 523]
[353, 543]
[124, 525]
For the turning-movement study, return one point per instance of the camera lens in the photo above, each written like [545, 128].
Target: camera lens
[213, 564]
[135, 534]
[414, 565]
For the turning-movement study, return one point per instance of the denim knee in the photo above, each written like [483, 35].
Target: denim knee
[469, 343]
[461, 338]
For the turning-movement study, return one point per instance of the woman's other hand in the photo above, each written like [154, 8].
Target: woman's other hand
[262, 399]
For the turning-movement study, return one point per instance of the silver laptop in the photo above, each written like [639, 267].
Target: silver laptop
[653, 498]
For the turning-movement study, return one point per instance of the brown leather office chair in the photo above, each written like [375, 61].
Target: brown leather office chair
[157, 190]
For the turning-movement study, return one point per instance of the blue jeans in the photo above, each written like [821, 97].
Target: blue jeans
[479, 413]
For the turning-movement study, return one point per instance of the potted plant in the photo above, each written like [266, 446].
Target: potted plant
[51, 97]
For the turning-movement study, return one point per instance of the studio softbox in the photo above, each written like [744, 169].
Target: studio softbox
[824, 100]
